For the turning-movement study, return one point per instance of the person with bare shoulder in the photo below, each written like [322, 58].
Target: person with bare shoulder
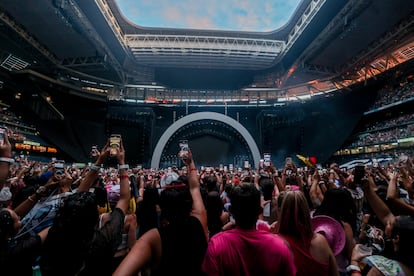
[312, 253]
[179, 245]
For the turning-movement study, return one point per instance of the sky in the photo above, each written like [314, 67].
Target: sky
[234, 15]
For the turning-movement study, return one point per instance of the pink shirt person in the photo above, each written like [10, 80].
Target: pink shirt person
[248, 252]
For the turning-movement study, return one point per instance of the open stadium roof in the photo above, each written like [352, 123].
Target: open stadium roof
[248, 15]
[335, 41]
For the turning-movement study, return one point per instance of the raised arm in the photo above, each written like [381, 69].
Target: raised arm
[394, 197]
[146, 249]
[125, 194]
[92, 174]
[23, 208]
[199, 211]
[378, 206]
[315, 192]
[5, 160]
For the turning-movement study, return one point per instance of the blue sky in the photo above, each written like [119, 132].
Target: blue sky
[238, 15]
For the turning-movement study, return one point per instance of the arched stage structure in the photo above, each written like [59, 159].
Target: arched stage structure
[156, 156]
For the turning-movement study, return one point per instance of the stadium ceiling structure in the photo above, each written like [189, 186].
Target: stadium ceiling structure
[90, 46]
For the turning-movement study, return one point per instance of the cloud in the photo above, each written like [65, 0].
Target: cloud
[240, 15]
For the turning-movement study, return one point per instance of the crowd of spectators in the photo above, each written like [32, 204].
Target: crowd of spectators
[389, 95]
[386, 131]
[387, 136]
[379, 125]
[18, 129]
[299, 219]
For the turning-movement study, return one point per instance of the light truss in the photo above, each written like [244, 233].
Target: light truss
[30, 39]
[13, 63]
[382, 43]
[112, 22]
[204, 51]
[310, 12]
[381, 64]
[318, 69]
[83, 61]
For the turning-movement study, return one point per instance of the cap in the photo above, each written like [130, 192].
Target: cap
[168, 178]
[332, 230]
[5, 194]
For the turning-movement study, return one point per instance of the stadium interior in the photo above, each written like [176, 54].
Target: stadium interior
[335, 82]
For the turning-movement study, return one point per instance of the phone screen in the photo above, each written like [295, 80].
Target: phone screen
[183, 149]
[266, 159]
[359, 173]
[114, 144]
[2, 133]
[94, 151]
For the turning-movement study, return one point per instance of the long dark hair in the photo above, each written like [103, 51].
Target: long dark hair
[404, 228]
[176, 201]
[147, 216]
[72, 231]
[338, 204]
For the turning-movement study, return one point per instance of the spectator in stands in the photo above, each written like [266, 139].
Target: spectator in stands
[75, 228]
[402, 182]
[311, 250]
[353, 185]
[44, 210]
[339, 205]
[399, 229]
[179, 245]
[269, 200]
[17, 255]
[214, 206]
[231, 252]
[148, 210]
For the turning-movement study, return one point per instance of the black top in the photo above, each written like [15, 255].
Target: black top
[183, 248]
[214, 207]
[19, 256]
[66, 256]
[103, 248]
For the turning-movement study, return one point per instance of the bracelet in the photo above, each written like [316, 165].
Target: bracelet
[7, 160]
[353, 268]
[123, 167]
[124, 177]
[193, 169]
[94, 167]
[30, 199]
[356, 271]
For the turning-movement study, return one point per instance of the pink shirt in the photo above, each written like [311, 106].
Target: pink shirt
[248, 252]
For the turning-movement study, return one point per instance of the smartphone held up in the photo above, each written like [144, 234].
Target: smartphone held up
[183, 154]
[94, 151]
[266, 159]
[2, 134]
[114, 144]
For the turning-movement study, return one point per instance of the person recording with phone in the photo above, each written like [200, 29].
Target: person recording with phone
[353, 185]
[179, 245]
[75, 228]
[17, 254]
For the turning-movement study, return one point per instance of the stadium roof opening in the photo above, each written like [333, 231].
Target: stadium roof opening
[232, 15]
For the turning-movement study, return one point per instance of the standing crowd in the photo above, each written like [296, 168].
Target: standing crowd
[110, 219]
